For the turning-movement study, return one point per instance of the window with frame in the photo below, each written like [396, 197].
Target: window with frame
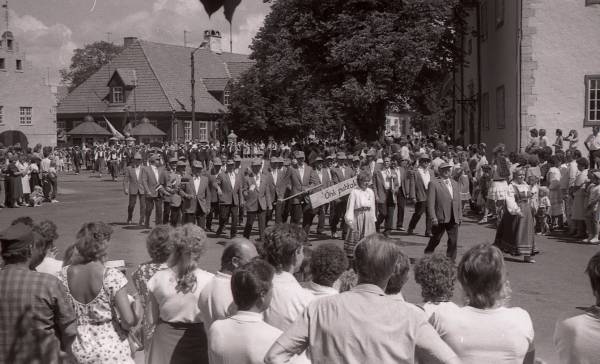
[1, 115]
[9, 44]
[187, 130]
[203, 130]
[25, 115]
[485, 110]
[499, 13]
[19, 65]
[117, 95]
[592, 100]
[226, 96]
[500, 108]
[484, 22]
[2, 64]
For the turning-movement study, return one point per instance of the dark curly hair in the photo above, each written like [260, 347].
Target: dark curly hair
[26, 220]
[189, 244]
[158, 244]
[92, 241]
[327, 264]
[281, 243]
[49, 233]
[436, 275]
[593, 272]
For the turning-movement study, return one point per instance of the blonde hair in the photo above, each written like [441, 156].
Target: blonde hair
[189, 244]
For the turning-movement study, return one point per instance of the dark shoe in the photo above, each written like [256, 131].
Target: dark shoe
[409, 232]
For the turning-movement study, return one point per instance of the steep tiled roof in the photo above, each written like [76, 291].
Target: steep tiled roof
[146, 129]
[163, 80]
[127, 75]
[88, 128]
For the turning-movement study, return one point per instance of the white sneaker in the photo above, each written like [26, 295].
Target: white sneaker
[593, 241]
[54, 201]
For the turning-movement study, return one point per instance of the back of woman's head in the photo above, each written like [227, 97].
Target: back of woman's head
[92, 241]
[593, 272]
[189, 243]
[436, 274]
[159, 244]
[281, 243]
[482, 275]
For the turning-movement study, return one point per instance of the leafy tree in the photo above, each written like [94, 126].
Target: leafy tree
[88, 60]
[324, 63]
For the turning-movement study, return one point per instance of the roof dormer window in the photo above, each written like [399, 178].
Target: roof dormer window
[116, 93]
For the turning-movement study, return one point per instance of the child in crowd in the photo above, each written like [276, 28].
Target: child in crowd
[591, 207]
[36, 197]
[543, 212]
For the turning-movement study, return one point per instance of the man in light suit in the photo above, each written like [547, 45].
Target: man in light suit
[196, 195]
[419, 184]
[385, 186]
[257, 199]
[230, 199]
[445, 209]
[132, 186]
[153, 180]
[300, 181]
[318, 176]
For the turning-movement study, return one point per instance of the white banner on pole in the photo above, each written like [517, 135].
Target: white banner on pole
[334, 192]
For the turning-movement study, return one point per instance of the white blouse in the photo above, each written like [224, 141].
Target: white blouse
[359, 199]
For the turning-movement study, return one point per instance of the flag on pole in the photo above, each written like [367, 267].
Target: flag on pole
[112, 129]
[229, 8]
[211, 6]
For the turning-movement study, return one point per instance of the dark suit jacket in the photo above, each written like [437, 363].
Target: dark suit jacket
[299, 183]
[381, 194]
[337, 176]
[131, 184]
[230, 195]
[418, 191]
[257, 196]
[213, 186]
[193, 199]
[149, 182]
[405, 182]
[441, 205]
[278, 189]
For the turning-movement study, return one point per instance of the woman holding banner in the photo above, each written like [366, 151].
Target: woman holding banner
[360, 213]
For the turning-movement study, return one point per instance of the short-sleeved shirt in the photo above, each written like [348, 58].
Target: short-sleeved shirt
[216, 300]
[288, 302]
[21, 287]
[364, 325]
[576, 337]
[496, 335]
[176, 306]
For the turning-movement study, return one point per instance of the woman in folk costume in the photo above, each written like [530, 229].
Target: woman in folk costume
[556, 196]
[578, 196]
[500, 175]
[516, 229]
[360, 213]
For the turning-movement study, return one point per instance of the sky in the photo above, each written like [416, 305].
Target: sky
[49, 30]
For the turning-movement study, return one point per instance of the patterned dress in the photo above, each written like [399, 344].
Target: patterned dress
[515, 234]
[140, 278]
[100, 339]
[360, 217]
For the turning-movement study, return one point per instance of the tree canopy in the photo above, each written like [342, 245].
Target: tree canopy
[88, 60]
[321, 64]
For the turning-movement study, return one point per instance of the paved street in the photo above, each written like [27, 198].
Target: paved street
[554, 284]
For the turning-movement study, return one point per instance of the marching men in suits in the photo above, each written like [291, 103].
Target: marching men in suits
[300, 181]
[401, 169]
[153, 180]
[258, 201]
[214, 193]
[230, 197]
[445, 210]
[419, 183]
[339, 174]
[196, 195]
[167, 192]
[279, 184]
[385, 186]
[318, 176]
[132, 185]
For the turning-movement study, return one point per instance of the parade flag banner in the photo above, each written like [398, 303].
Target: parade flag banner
[334, 192]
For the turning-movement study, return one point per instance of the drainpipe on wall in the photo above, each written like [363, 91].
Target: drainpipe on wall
[519, 71]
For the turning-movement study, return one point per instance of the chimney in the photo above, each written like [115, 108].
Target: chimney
[213, 38]
[127, 41]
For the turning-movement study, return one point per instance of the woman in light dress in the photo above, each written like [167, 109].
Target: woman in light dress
[360, 213]
[23, 166]
[578, 193]
[556, 196]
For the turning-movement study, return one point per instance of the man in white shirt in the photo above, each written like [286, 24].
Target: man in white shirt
[245, 338]
[328, 262]
[592, 143]
[132, 186]
[576, 337]
[216, 301]
[283, 246]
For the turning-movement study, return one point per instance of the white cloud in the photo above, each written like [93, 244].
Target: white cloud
[46, 46]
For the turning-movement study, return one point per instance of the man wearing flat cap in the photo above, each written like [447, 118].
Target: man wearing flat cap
[300, 181]
[214, 193]
[419, 184]
[257, 199]
[196, 196]
[339, 174]
[132, 186]
[24, 291]
[153, 180]
[445, 210]
[230, 199]
[278, 185]
[167, 192]
[318, 177]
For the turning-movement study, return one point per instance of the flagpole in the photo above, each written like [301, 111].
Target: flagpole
[230, 36]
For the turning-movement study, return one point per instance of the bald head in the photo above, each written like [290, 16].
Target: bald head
[238, 252]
